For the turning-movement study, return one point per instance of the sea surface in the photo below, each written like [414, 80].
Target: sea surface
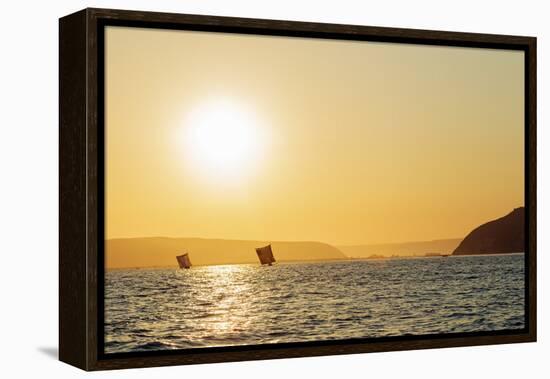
[161, 309]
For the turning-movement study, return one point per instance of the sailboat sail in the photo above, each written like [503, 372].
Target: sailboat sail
[265, 254]
[184, 261]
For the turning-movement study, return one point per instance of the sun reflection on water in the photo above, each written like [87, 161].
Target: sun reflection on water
[229, 293]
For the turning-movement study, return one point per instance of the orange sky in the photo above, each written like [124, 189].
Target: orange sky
[274, 138]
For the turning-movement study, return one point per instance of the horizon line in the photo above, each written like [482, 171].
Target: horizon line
[281, 241]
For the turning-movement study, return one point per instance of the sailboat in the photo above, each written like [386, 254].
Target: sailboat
[265, 255]
[184, 261]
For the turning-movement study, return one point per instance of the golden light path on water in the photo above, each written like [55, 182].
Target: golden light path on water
[229, 294]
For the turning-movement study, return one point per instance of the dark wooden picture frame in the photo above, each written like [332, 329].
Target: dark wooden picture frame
[81, 186]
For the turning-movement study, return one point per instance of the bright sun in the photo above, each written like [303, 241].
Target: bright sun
[223, 138]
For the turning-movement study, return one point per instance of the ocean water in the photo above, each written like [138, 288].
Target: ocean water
[161, 309]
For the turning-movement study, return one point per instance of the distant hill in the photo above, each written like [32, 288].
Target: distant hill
[504, 235]
[443, 246]
[160, 251]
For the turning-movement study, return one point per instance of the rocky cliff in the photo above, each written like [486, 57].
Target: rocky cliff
[500, 236]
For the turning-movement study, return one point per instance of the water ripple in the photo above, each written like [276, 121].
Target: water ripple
[247, 304]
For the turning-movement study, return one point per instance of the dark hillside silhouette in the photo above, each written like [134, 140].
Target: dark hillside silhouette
[504, 235]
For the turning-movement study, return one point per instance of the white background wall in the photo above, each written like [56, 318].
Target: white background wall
[29, 183]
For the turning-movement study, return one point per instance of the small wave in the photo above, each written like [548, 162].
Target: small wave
[200, 316]
[286, 296]
[460, 314]
[155, 345]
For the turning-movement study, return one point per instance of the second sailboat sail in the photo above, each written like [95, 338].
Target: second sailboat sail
[265, 255]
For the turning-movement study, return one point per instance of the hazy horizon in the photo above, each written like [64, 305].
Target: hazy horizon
[138, 252]
[251, 239]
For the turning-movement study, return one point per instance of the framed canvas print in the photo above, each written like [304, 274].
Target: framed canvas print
[238, 189]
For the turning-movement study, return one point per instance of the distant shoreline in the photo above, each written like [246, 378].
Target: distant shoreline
[175, 267]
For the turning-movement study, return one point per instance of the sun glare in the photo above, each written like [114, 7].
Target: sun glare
[223, 138]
